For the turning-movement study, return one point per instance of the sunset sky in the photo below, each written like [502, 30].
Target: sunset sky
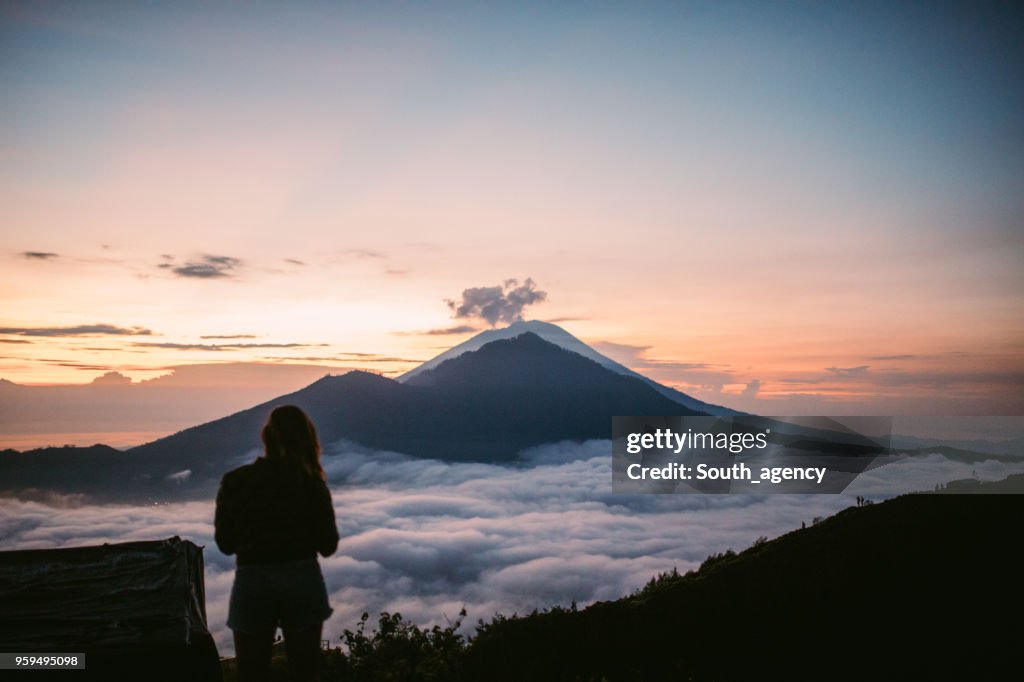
[799, 208]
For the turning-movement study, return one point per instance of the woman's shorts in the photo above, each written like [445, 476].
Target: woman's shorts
[291, 595]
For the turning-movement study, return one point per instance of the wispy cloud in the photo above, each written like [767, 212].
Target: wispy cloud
[14, 341]
[78, 365]
[457, 329]
[228, 336]
[80, 330]
[849, 372]
[364, 254]
[636, 357]
[892, 357]
[224, 346]
[445, 331]
[39, 255]
[347, 357]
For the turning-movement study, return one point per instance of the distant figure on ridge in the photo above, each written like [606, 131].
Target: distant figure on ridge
[276, 515]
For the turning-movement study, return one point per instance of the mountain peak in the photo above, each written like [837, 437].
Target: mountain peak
[554, 334]
[530, 363]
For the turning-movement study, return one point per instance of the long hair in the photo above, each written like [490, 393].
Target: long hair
[290, 435]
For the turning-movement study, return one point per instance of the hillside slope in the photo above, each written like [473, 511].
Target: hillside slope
[919, 587]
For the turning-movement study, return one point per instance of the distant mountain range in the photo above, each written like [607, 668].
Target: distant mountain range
[485, 400]
[483, 403]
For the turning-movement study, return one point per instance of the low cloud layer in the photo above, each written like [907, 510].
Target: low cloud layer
[497, 304]
[426, 538]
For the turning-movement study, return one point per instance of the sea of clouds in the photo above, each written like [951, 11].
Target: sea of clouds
[428, 538]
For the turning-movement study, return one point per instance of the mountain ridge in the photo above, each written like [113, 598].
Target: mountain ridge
[487, 405]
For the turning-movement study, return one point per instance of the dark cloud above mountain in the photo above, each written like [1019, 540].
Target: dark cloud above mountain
[206, 267]
[39, 255]
[79, 330]
[497, 304]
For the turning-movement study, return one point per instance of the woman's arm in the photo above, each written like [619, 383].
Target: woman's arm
[223, 521]
[326, 525]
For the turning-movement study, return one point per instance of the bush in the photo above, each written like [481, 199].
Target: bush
[399, 651]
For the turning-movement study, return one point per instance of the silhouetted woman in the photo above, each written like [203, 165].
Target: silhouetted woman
[276, 515]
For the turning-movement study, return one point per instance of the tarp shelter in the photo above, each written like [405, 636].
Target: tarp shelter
[137, 610]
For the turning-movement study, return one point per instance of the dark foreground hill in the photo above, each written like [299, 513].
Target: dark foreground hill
[924, 586]
[919, 587]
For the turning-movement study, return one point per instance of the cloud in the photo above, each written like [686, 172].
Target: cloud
[425, 537]
[496, 304]
[688, 376]
[752, 388]
[207, 267]
[446, 331]
[847, 372]
[294, 261]
[345, 357]
[180, 476]
[38, 255]
[365, 254]
[80, 330]
[112, 379]
[225, 346]
[75, 365]
[457, 329]
[14, 341]
[229, 336]
[621, 352]
[892, 357]
[635, 357]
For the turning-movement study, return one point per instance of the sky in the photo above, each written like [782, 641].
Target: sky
[784, 208]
